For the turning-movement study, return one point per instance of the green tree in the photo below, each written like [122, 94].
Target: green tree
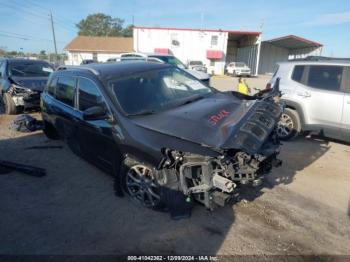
[100, 24]
[128, 31]
[43, 55]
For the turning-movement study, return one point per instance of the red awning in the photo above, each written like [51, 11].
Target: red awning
[215, 54]
[163, 51]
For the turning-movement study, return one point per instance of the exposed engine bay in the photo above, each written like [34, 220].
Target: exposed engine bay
[25, 97]
[212, 181]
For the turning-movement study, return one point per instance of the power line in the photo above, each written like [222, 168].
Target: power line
[28, 37]
[38, 15]
[9, 36]
[18, 8]
[63, 22]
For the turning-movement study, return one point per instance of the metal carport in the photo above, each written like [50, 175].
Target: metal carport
[285, 48]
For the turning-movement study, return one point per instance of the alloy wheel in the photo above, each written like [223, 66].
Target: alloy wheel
[285, 126]
[142, 186]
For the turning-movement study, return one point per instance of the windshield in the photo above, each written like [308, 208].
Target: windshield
[30, 68]
[171, 60]
[240, 64]
[157, 90]
[196, 63]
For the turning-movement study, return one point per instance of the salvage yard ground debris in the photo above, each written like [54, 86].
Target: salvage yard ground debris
[302, 208]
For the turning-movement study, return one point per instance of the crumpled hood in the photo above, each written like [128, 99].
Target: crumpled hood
[210, 121]
[33, 83]
[198, 74]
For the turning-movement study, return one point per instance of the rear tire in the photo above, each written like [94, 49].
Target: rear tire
[289, 126]
[9, 105]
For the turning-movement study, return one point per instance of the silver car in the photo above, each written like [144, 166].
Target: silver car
[317, 97]
[196, 65]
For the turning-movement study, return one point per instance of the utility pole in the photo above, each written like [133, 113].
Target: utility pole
[54, 36]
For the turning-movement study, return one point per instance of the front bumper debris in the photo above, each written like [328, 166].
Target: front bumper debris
[25, 97]
[213, 180]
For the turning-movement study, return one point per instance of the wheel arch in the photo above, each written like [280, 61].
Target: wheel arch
[298, 108]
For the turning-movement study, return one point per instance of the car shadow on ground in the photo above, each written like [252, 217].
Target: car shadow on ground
[295, 155]
[73, 210]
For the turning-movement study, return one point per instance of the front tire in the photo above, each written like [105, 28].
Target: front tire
[143, 184]
[9, 105]
[289, 126]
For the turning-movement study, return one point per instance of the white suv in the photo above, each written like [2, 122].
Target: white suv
[238, 69]
[317, 97]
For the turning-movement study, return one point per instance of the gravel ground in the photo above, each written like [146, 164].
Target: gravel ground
[302, 208]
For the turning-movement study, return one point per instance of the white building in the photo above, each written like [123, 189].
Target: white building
[98, 49]
[216, 48]
[213, 47]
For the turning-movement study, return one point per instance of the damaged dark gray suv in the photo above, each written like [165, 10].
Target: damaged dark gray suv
[21, 83]
[157, 129]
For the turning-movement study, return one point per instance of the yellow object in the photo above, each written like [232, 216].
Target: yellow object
[243, 88]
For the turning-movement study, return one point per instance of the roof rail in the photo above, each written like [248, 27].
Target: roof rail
[321, 58]
[95, 72]
[147, 59]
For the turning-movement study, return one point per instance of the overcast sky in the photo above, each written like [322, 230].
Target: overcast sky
[25, 23]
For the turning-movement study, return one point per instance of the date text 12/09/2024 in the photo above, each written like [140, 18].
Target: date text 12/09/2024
[172, 258]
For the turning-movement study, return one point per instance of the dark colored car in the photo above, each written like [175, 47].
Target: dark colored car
[21, 83]
[158, 129]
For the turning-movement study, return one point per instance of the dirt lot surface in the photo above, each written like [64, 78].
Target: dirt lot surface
[302, 208]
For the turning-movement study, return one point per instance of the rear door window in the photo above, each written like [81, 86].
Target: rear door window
[298, 73]
[325, 77]
[89, 94]
[65, 90]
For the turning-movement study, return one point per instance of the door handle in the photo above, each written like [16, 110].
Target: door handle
[304, 94]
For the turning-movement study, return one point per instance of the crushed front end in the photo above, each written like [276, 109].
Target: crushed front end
[24, 97]
[246, 158]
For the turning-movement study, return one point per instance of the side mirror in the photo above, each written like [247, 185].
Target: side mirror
[95, 113]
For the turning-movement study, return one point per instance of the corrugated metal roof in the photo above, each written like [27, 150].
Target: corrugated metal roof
[293, 42]
[101, 44]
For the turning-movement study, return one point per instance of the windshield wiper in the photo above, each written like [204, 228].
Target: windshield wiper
[192, 100]
[143, 113]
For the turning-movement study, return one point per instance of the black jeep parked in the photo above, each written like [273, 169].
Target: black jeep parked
[21, 83]
[157, 128]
